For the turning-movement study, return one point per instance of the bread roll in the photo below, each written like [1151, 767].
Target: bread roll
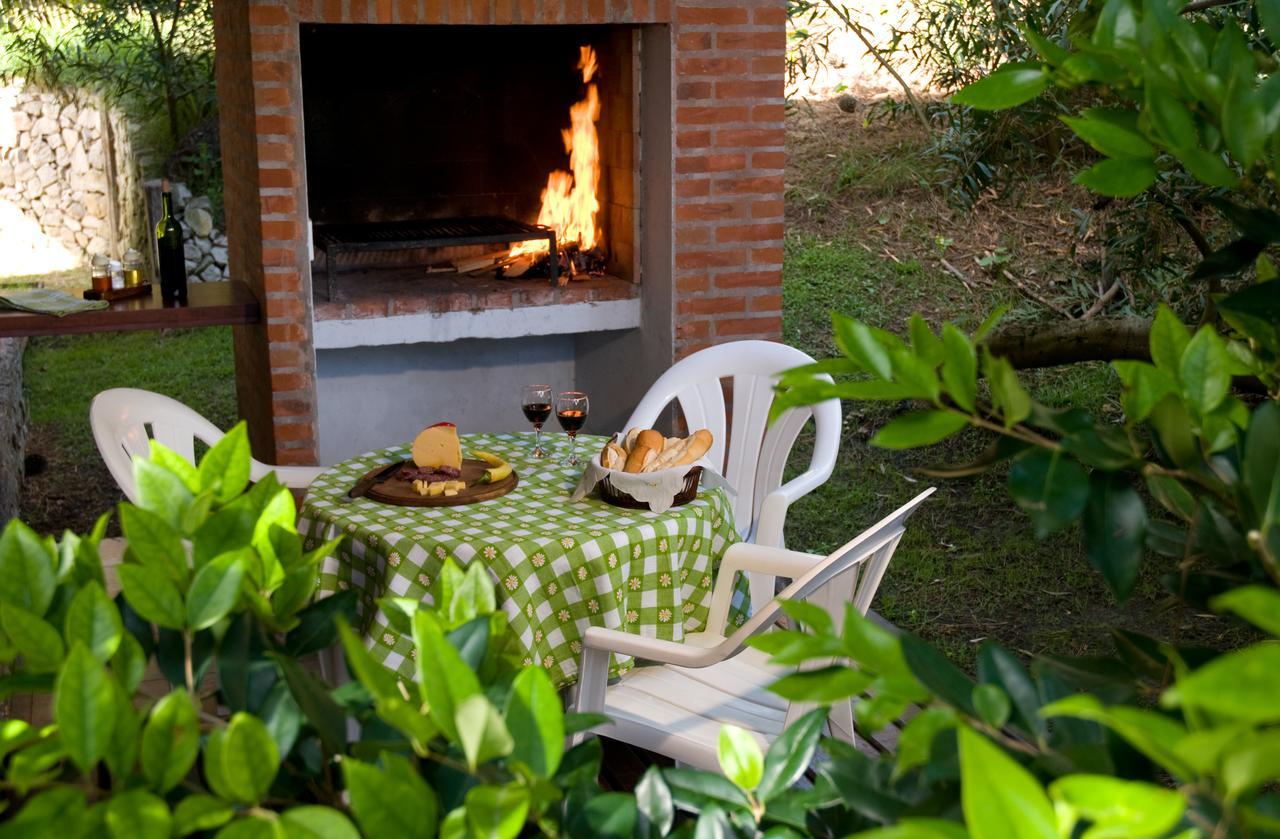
[612, 456]
[640, 457]
[651, 439]
[629, 442]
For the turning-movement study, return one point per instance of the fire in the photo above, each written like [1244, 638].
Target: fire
[569, 202]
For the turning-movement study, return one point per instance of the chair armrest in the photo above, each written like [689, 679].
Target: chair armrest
[297, 477]
[773, 510]
[763, 559]
[652, 649]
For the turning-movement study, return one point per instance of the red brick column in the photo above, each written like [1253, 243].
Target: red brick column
[729, 151]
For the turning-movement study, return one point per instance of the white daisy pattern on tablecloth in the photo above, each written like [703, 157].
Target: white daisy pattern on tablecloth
[593, 606]
[664, 615]
[511, 582]
[490, 551]
[552, 588]
[567, 543]
[634, 583]
[664, 579]
[539, 559]
[632, 616]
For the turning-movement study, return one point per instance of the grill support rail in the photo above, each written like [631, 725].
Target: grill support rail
[334, 239]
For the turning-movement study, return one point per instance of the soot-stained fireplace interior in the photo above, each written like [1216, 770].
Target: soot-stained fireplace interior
[422, 131]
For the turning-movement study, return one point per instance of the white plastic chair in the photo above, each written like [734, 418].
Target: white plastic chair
[757, 452]
[121, 416]
[677, 708]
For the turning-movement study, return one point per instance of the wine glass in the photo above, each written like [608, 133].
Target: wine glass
[571, 410]
[535, 401]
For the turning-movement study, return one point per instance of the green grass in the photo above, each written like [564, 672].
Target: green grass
[969, 567]
[63, 374]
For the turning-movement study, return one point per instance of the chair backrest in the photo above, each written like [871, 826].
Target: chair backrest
[756, 455]
[851, 573]
[120, 419]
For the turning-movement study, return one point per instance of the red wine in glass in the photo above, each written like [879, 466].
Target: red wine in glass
[571, 411]
[535, 401]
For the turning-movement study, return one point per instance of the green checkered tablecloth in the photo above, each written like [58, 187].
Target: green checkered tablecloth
[560, 565]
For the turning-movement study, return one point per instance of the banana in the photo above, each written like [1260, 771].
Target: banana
[497, 473]
[488, 457]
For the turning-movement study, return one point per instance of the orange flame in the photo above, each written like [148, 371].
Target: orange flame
[569, 202]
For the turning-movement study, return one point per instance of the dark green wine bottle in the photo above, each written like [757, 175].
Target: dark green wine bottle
[173, 266]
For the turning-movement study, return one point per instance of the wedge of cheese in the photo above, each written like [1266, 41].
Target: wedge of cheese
[438, 446]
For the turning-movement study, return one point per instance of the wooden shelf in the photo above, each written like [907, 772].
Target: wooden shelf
[208, 304]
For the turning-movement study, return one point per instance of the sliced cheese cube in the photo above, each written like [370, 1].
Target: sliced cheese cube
[450, 492]
[435, 488]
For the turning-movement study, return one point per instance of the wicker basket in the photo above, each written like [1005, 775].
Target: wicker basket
[621, 499]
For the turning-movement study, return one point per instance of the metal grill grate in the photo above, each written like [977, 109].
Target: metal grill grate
[334, 239]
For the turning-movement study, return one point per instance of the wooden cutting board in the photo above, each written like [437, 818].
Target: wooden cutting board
[401, 493]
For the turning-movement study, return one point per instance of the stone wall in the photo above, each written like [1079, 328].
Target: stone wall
[68, 165]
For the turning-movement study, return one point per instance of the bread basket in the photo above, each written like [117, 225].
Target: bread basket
[611, 495]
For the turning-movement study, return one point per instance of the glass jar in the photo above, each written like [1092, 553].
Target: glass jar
[133, 271]
[100, 273]
[117, 275]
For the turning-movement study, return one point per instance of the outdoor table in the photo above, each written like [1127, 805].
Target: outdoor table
[560, 566]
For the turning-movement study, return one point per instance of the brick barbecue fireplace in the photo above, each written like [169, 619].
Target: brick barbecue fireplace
[394, 172]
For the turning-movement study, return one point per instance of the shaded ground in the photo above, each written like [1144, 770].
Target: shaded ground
[867, 233]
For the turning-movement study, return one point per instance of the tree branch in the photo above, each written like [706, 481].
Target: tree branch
[857, 29]
[1071, 342]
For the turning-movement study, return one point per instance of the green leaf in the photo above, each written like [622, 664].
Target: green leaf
[84, 707]
[27, 563]
[790, 754]
[161, 492]
[1207, 167]
[936, 672]
[216, 588]
[368, 671]
[1243, 125]
[992, 705]
[923, 342]
[1118, 808]
[122, 752]
[316, 822]
[914, 828]
[1120, 177]
[225, 467]
[155, 542]
[1250, 764]
[497, 812]
[1170, 117]
[152, 595]
[317, 626]
[170, 741]
[241, 760]
[989, 323]
[740, 757]
[1001, 799]
[655, 810]
[1205, 371]
[536, 720]
[960, 368]
[693, 789]
[1168, 340]
[1269, 15]
[1051, 488]
[915, 743]
[444, 679]
[312, 696]
[1115, 526]
[39, 643]
[610, 815]
[481, 731]
[390, 803]
[825, 684]
[1229, 260]
[920, 428]
[1011, 400]
[1008, 87]
[857, 342]
[94, 619]
[997, 666]
[162, 455]
[1144, 387]
[200, 812]
[138, 814]
[1111, 131]
[281, 715]
[253, 827]
[1258, 605]
[1240, 685]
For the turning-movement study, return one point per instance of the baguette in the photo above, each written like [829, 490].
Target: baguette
[651, 439]
[640, 457]
[684, 451]
[629, 442]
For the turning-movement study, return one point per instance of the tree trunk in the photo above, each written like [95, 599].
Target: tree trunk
[1073, 341]
[13, 426]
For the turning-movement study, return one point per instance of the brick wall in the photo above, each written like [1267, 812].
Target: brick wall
[729, 155]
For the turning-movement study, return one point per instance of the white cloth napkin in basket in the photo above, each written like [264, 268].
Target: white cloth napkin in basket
[657, 489]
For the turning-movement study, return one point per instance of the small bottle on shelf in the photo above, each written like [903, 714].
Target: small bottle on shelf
[100, 273]
[173, 266]
[133, 271]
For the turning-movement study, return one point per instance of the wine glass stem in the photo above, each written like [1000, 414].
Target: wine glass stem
[537, 436]
[573, 447]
